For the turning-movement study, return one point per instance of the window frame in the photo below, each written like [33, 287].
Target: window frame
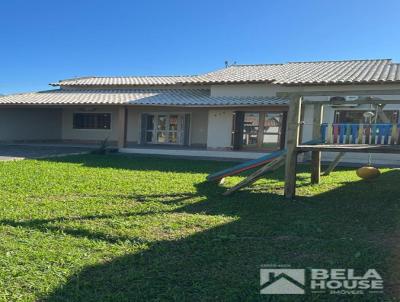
[180, 132]
[281, 135]
[91, 129]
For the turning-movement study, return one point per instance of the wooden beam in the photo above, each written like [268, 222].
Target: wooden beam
[356, 102]
[315, 167]
[316, 155]
[395, 149]
[292, 142]
[122, 126]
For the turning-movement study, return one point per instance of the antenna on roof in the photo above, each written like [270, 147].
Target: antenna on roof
[227, 64]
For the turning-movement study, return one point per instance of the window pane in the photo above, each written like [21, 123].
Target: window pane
[103, 121]
[150, 122]
[92, 121]
[173, 137]
[251, 128]
[162, 122]
[173, 122]
[272, 130]
[149, 136]
[161, 137]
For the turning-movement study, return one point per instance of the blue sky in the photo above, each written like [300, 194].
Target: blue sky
[43, 41]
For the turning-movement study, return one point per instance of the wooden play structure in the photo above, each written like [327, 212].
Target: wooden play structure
[368, 137]
[341, 138]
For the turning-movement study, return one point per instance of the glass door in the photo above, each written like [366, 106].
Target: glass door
[272, 130]
[161, 135]
[251, 129]
[263, 130]
[165, 129]
[173, 132]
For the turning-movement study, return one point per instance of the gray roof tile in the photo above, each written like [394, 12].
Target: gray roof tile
[292, 73]
[124, 81]
[303, 73]
[164, 97]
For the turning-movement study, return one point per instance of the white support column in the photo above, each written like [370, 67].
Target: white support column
[121, 127]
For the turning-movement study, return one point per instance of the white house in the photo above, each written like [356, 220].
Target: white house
[235, 108]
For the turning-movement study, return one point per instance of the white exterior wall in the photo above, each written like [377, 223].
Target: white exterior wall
[133, 126]
[272, 90]
[219, 129]
[245, 90]
[199, 128]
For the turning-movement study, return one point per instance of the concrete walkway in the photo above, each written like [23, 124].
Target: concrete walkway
[234, 155]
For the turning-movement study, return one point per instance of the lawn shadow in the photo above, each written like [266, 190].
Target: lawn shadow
[144, 163]
[154, 163]
[342, 228]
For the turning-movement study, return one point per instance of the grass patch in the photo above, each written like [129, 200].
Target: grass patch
[125, 228]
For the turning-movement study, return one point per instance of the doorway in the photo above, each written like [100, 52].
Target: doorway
[164, 128]
[262, 130]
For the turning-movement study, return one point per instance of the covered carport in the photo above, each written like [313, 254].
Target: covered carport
[28, 124]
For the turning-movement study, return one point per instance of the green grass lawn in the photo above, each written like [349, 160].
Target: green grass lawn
[124, 228]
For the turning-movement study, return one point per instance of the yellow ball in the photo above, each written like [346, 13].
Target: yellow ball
[368, 172]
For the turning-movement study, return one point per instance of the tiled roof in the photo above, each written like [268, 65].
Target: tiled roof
[166, 97]
[338, 72]
[118, 81]
[239, 74]
[292, 73]
[303, 73]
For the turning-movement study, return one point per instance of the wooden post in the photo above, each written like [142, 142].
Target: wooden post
[293, 130]
[316, 155]
[122, 127]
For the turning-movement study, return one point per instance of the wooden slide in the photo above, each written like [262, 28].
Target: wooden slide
[268, 163]
[251, 164]
[263, 160]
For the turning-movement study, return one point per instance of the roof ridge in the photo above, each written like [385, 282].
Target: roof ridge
[77, 78]
[260, 64]
[128, 76]
[140, 76]
[332, 61]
